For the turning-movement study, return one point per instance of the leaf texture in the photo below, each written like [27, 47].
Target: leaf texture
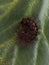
[11, 13]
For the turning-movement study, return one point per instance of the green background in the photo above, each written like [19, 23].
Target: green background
[12, 12]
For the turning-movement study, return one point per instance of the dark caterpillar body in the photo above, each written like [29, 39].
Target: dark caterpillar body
[28, 31]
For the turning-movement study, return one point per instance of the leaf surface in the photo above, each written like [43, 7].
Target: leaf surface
[11, 13]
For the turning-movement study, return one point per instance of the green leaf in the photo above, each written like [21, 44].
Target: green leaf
[43, 52]
[46, 26]
[11, 13]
